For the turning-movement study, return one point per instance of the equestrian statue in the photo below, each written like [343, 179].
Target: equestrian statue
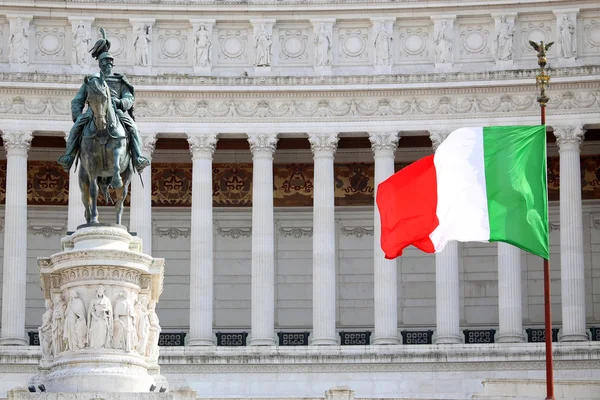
[104, 138]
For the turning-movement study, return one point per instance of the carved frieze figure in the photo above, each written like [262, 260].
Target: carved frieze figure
[141, 45]
[383, 42]
[203, 44]
[323, 47]
[567, 37]
[142, 324]
[262, 47]
[124, 332]
[45, 331]
[443, 44]
[18, 44]
[81, 43]
[75, 331]
[100, 320]
[505, 40]
[58, 321]
[154, 332]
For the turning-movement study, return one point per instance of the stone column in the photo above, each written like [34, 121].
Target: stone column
[202, 148]
[384, 145]
[443, 40]
[510, 308]
[323, 147]
[566, 34]
[447, 296]
[572, 278]
[140, 220]
[263, 241]
[14, 278]
[322, 56]
[18, 41]
[202, 42]
[82, 41]
[76, 210]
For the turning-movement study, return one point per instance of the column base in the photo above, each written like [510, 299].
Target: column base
[382, 340]
[324, 342]
[447, 339]
[572, 337]
[510, 338]
[262, 342]
[200, 342]
[14, 341]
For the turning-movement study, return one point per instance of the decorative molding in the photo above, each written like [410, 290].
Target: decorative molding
[50, 42]
[353, 43]
[384, 141]
[17, 142]
[202, 144]
[554, 226]
[262, 143]
[47, 231]
[534, 30]
[437, 136]
[356, 231]
[148, 143]
[233, 45]
[172, 44]
[172, 233]
[118, 40]
[296, 233]
[293, 44]
[475, 41]
[323, 144]
[234, 233]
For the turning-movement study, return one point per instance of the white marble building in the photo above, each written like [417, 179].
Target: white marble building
[266, 85]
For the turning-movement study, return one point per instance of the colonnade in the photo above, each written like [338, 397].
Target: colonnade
[323, 145]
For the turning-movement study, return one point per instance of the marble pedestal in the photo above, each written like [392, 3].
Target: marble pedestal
[100, 331]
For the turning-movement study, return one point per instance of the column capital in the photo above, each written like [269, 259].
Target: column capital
[17, 142]
[568, 136]
[384, 141]
[202, 145]
[437, 136]
[262, 143]
[148, 144]
[323, 144]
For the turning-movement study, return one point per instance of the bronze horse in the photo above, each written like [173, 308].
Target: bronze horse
[104, 152]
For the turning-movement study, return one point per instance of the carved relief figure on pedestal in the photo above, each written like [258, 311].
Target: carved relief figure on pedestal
[81, 42]
[505, 40]
[100, 320]
[262, 47]
[18, 44]
[141, 45]
[75, 330]
[383, 44]
[124, 332]
[203, 45]
[58, 320]
[154, 332]
[45, 331]
[323, 47]
[142, 323]
[443, 44]
[566, 38]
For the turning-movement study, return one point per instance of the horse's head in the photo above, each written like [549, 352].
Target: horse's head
[98, 99]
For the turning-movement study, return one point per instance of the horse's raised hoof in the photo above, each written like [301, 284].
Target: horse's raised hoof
[116, 182]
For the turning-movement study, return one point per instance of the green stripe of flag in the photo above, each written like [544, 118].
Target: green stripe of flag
[516, 185]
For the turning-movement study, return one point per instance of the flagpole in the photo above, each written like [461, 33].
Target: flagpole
[542, 80]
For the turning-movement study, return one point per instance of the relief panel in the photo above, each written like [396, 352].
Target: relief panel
[171, 45]
[591, 35]
[352, 44]
[291, 45]
[475, 40]
[536, 29]
[412, 43]
[119, 37]
[48, 43]
[234, 45]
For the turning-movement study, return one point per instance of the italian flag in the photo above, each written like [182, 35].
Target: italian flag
[481, 185]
